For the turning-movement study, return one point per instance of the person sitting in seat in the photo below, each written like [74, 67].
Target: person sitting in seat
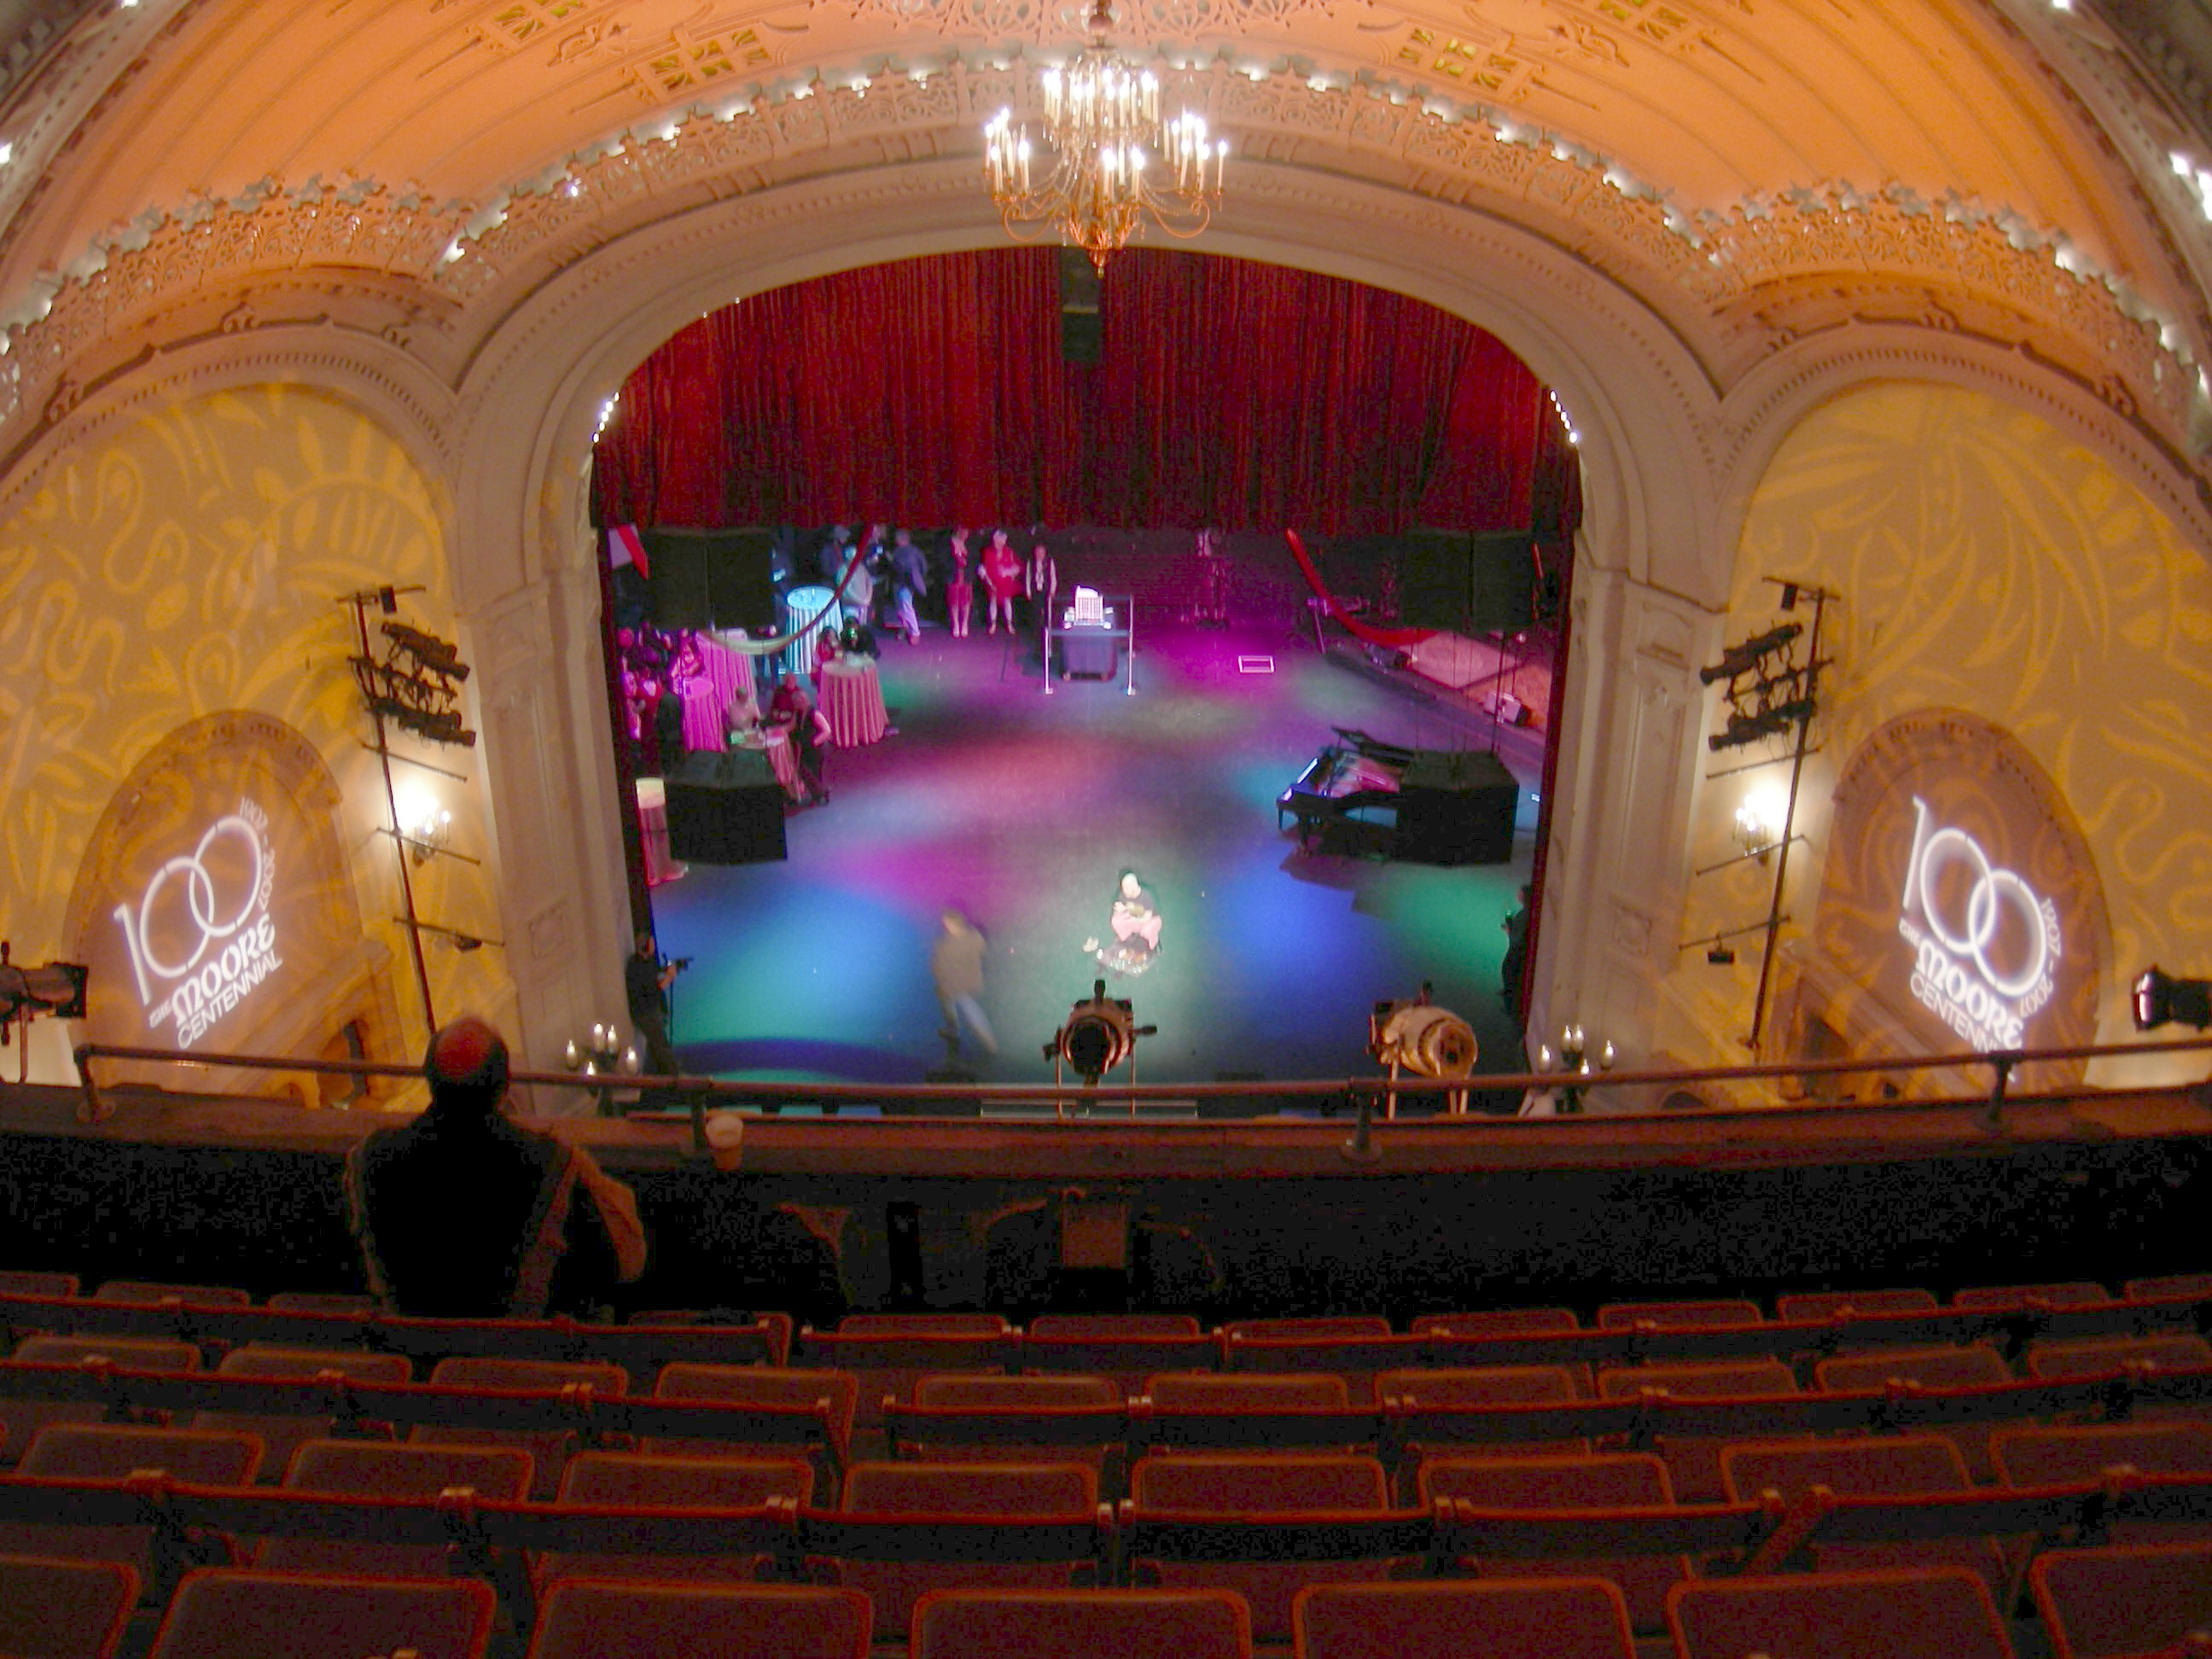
[466, 1213]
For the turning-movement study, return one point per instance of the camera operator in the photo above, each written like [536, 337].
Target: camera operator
[645, 978]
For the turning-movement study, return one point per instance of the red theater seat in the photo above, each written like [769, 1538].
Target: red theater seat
[588, 1619]
[1501, 1385]
[1940, 1613]
[143, 1290]
[2141, 1600]
[628, 1480]
[2170, 1285]
[225, 1614]
[1113, 1325]
[2008, 1298]
[372, 1468]
[24, 1417]
[923, 1491]
[323, 1301]
[1122, 1624]
[1827, 1305]
[2068, 1456]
[1677, 1315]
[1498, 1321]
[112, 1451]
[1236, 1487]
[281, 1436]
[20, 1281]
[1937, 1369]
[1502, 1618]
[1608, 1480]
[548, 1450]
[761, 1385]
[1693, 1461]
[53, 1609]
[999, 1391]
[1320, 1328]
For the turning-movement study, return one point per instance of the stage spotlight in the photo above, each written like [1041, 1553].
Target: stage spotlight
[1099, 1034]
[2162, 1000]
[1739, 660]
[1719, 955]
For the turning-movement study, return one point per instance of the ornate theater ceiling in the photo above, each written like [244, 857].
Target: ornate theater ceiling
[1745, 165]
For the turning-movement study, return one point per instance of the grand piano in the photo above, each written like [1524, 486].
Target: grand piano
[1363, 798]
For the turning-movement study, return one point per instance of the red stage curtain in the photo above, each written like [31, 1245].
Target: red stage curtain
[933, 392]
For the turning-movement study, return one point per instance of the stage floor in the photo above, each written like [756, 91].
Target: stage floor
[1022, 809]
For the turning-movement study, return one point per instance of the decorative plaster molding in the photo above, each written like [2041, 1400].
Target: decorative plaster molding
[1737, 286]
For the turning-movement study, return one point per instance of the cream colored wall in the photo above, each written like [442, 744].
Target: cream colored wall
[1986, 561]
[191, 561]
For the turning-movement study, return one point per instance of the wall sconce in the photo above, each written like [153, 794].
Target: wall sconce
[426, 828]
[1572, 1060]
[602, 1055]
[1758, 824]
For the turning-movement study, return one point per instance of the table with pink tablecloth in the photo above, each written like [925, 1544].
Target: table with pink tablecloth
[775, 743]
[702, 713]
[853, 702]
[660, 864]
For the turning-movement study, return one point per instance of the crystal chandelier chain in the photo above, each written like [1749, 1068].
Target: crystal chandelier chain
[1111, 165]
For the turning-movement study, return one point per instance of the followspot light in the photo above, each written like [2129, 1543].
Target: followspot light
[2162, 1000]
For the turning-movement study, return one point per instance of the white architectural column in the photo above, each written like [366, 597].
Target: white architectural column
[1627, 776]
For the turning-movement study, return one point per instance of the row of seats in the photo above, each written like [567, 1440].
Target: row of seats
[287, 1396]
[2094, 1604]
[160, 1501]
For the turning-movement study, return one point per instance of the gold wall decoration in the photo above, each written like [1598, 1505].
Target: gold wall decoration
[1993, 566]
[184, 567]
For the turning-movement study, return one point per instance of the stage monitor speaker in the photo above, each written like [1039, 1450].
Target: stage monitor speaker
[1433, 585]
[1501, 581]
[711, 578]
[726, 807]
[1457, 809]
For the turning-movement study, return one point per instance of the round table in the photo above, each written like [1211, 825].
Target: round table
[660, 864]
[702, 713]
[853, 702]
[775, 743]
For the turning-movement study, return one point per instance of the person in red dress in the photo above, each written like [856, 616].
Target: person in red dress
[1002, 579]
[960, 593]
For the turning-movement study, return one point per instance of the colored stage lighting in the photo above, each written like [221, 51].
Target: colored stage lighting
[2162, 1000]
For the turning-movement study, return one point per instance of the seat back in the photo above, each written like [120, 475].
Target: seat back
[595, 1619]
[923, 1324]
[371, 1468]
[222, 1613]
[1900, 1466]
[1939, 1613]
[1827, 1305]
[1067, 1490]
[628, 1479]
[887, 1362]
[1258, 1391]
[1693, 1461]
[1501, 1619]
[2175, 1351]
[761, 1385]
[323, 1301]
[1241, 1485]
[1972, 1367]
[26, 1281]
[2008, 1298]
[112, 1451]
[1488, 1385]
[1114, 1325]
[281, 1436]
[1608, 1480]
[997, 1391]
[59, 1609]
[1319, 1328]
[1081, 1624]
[2163, 1285]
[1677, 1315]
[2067, 1456]
[152, 1290]
[24, 1417]
[2137, 1599]
[1498, 1321]
[550, 1450]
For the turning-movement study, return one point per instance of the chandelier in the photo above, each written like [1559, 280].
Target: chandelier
[1113, 163]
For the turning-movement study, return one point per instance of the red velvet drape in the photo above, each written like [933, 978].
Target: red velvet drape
[933, 392]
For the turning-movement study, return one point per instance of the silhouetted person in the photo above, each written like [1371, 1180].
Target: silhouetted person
[464, 1213]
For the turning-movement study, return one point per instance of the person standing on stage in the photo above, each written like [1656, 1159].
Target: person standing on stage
[646, 980]
[909, 581]
[835, 553]
[956, 964]
[1002, 579]
[959, 592]
[1040, 583]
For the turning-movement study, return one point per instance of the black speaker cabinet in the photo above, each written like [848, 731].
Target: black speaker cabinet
[724, 807]
[1457, 809]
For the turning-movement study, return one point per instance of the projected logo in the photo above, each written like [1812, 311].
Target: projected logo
[1986, 945]
[201, 937]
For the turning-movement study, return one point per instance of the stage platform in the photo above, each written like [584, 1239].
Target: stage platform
[1304, 1215]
